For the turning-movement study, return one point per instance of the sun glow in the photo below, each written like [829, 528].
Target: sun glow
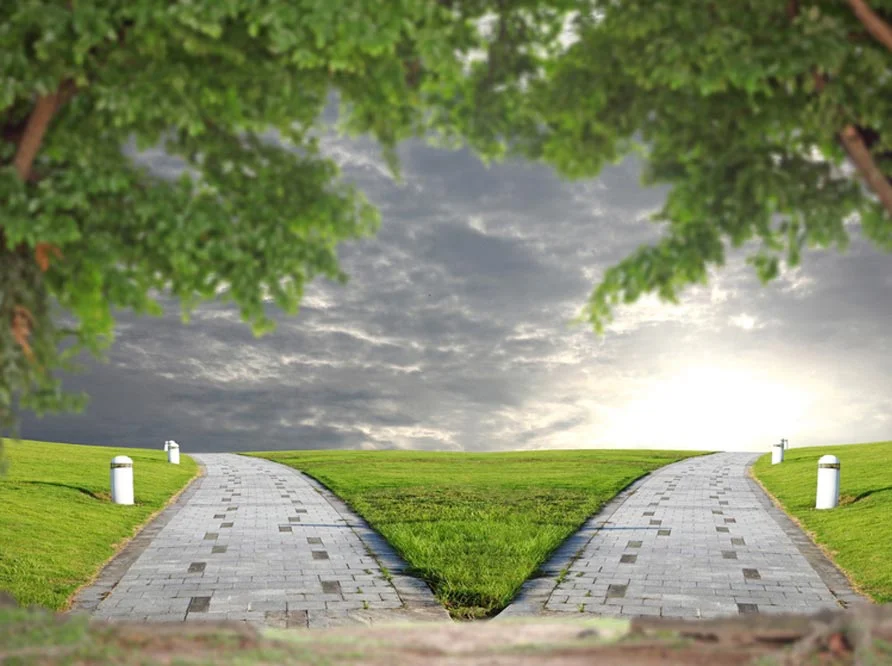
[709, 408]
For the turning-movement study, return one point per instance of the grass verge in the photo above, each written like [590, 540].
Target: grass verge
[475, 526]
[58, 525]
[858, 533]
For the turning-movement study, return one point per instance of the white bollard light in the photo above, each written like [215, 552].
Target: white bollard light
[777, 453]
[122, 480]
[173, 452]
[166, 444]
[828, 482]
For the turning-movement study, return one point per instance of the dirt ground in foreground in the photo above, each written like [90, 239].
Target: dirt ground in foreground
[861, 635]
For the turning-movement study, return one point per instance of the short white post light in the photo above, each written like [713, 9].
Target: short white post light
[122, 480]
[777, 453]
[166, 444]
[786, 444]
[173, 452]
[828, 482]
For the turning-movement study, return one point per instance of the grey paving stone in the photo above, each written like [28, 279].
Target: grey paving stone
[616, 591]
[264, 565]
[198, 604]
[681, 613]
[719, 551]
[639, 611]
[165, 617]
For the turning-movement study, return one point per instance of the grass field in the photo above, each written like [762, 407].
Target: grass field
[57, 523]
[858, 533]
[475, 526]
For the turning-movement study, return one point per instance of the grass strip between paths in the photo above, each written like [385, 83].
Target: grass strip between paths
[58, 525]
[858, 533]
[476, 526]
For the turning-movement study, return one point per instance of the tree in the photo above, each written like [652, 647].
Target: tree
[84, 231]
[746, 109]
[750, 110]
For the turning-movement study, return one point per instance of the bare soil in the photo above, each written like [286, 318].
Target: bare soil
[861, 635]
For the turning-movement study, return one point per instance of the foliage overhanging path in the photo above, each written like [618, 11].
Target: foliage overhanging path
[257, 543]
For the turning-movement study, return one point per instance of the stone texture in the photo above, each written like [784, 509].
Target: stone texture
[262, 568]
[702, 555]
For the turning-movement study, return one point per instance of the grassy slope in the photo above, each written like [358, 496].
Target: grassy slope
[476, 526]
[858, 533]
[57, 523]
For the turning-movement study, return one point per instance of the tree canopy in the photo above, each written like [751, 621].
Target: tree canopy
[84, 230]
[746, 109]
[750, 111]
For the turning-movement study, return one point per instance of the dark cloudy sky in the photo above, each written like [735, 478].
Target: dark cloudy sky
[453, 334]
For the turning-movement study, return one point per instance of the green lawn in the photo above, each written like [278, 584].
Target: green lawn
[57, 523]
[476, 526]
[858, 533]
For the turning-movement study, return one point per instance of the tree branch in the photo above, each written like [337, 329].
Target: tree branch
[860, 155]
[874, 23]
[866, 165]
[36, 127]
[22, 321]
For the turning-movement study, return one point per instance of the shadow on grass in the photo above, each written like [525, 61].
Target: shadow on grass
[102, 496]
[851, 499]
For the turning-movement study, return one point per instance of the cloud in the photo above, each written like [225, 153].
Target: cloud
[453, 334]
[745, 321]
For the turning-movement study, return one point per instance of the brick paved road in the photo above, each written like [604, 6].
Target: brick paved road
[257, 542]
[693, 539]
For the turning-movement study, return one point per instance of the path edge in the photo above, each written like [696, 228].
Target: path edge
[828, 571]
[415, 593]
[534, 592]
[90, 595]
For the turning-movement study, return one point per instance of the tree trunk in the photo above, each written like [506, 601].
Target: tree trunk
[35, 129]
[28, 146]
[874, 23]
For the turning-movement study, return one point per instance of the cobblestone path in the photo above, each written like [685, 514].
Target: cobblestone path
[695, 539]
[259, 542]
